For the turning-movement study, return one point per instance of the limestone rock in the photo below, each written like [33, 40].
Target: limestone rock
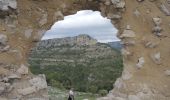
[156, 57]
[157, 30]
[150, 44]
[165, 9]
[14, 76]
[118, 3]
[140, 63]
[5, 4]
[28, 33]
[167, 72]
[26, 91]
[125, 52]
[136, 13]
[23, 70]
[4, 87]
[157, 20]
[3, 43]
[119, 84]
[126, 75]
[39, 82]
[113, 16]
[107, 2]
[3, 40]
[58, 16]
[36, 99]
[129, 43]
[133, 97]
[140, 0]
[38, 35]
[128, 34]
[43, 19]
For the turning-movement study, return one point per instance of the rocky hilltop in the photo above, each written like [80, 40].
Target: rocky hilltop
[79, 62]
[77, 40]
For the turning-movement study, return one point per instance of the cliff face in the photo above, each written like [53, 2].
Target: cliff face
[143, 26]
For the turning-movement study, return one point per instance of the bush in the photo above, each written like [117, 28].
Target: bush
[103, 92]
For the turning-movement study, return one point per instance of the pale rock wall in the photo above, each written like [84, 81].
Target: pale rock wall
[144, 27]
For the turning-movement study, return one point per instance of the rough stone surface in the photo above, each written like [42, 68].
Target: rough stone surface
[39, 82]
[167, 72]
[5, 4]
[140, 63]
[23, 70]
[26, 91]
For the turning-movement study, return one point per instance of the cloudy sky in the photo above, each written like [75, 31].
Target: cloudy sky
[84, 22]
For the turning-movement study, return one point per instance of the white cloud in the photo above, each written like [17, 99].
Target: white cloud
[84, 22]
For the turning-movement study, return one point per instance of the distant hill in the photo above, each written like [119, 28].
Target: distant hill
[117, 45]
[79, 62]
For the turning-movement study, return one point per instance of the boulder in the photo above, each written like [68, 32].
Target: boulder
[23, 70]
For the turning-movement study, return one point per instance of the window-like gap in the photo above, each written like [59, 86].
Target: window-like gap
[81, 52]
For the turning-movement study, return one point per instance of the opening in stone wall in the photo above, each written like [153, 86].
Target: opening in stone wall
[80, 52]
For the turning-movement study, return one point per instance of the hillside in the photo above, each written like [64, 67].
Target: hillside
[79, 62]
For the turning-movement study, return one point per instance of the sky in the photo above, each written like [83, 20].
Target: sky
[84, 22]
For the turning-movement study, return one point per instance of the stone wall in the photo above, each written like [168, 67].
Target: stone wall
[144, 27]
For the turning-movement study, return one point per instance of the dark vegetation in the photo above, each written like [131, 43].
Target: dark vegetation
[84, 68]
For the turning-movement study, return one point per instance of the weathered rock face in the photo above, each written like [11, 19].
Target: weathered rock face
[6, 4]
[147, 83]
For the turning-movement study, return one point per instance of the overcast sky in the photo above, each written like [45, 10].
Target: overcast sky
[84, 22]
